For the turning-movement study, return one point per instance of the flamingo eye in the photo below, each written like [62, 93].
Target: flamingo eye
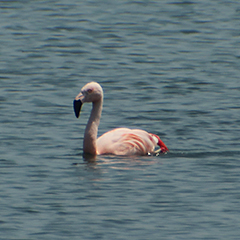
[89, 90]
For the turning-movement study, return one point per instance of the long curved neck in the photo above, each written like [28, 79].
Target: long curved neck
[90, 135]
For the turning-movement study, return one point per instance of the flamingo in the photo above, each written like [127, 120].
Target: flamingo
[119, 141]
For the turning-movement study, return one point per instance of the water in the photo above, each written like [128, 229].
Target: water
[169, 67]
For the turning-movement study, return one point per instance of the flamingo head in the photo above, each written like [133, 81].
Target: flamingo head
[91, 92]
[160, 143]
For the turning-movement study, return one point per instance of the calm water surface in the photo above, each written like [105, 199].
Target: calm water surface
[169, 67]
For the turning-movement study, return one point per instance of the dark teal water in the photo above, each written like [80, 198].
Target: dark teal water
[169, 67]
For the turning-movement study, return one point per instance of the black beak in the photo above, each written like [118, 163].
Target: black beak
[77, 104]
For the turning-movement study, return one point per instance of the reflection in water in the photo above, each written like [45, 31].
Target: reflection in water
[89, 158]
[120, 162]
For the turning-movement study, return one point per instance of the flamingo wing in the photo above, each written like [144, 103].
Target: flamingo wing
[124, 141]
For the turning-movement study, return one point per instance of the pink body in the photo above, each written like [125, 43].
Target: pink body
[124, 141]
[120, 141]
